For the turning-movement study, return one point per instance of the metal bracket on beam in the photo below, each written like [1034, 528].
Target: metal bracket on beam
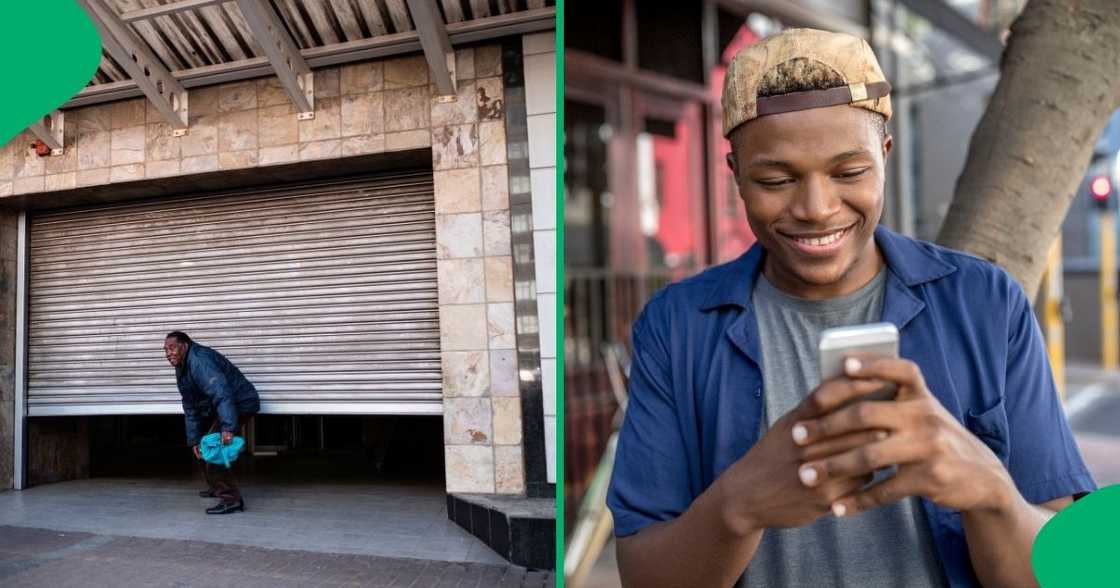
[49, 131]
[437, 47]
[283, 54]
[161, 88]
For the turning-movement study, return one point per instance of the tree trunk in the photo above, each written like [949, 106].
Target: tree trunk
[1059, 82]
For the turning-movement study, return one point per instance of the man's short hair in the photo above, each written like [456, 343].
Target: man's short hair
[805, 75]
[179, 336]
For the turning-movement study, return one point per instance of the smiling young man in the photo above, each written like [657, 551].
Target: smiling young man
[737, 465]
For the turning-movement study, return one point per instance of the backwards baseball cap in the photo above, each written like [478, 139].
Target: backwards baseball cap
[848, 57]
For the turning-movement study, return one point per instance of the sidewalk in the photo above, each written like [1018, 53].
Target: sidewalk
[39, 557]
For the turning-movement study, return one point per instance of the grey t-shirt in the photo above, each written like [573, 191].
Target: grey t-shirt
[889, 546]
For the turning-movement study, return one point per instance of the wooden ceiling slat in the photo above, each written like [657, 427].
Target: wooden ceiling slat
[372, 15]
[480, 8]
[399, 12]
[192, 27]
[321, 21]
[452, 11]
[241, 29]
[293, 16]
[218, 21]
[351, 23]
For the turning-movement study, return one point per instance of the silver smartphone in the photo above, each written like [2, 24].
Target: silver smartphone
[879, 339]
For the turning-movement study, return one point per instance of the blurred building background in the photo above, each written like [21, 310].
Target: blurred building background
[649, 198]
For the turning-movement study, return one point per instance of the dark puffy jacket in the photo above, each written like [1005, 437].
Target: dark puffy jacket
[209, 383]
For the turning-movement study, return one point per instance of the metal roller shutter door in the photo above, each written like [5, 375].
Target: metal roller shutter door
[324, 295]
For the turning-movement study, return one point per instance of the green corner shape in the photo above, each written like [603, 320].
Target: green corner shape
[49, 50]
[1078, 546]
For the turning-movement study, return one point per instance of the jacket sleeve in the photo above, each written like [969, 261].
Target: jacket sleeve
[193, 424]
[216, 386]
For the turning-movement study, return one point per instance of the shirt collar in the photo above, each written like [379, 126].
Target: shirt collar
[912, 262]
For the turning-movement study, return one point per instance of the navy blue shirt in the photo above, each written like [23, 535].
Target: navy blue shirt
[696, 384]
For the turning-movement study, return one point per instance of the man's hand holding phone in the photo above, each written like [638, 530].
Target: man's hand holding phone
[766, 489]
[937, 457]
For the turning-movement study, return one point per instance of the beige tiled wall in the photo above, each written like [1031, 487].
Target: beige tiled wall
[361, 108]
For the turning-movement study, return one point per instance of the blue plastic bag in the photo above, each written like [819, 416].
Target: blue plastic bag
[212, 450]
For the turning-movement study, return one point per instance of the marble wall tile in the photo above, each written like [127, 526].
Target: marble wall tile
[199, 164]
[68, 161]
[201, 138]
[361, 78]
[457, 190]
[488, 61]
[270, 92]
[464, 64]
[458, 235]
[408, 140]
[499, 278]
[93, 150]
[320, 150]
[127, 145]
[162, 169]
[489, 99]
[507, 420]
[500, 325]
[277, 125]
[128, 113]
[407, 109]
[492, 143]
[455, 146]
[496, 232]
[238, 131]
[357, 115]
[161, 143]
[126, 173]
[405, 72]
[93, 119]
[503, 373]
[469, 468]
[7, 166]
[28, 185]
[63, 181]
[460, 281]
[463, 109]
[326, 84]
[237, 96]
[204, 101]
[467, 421]
[27, 162]
[277, 155]
[462, 327]
[363, 145]
[509, 470]
[466, 373]
[237, 159]
[327, 123]
[91, 177]
[495, 187]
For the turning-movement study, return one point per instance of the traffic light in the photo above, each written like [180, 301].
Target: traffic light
[1100, 188]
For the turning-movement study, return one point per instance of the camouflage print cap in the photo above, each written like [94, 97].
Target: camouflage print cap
[849, 57]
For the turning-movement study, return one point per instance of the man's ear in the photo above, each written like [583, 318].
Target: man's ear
[731, 164]
[888, 144]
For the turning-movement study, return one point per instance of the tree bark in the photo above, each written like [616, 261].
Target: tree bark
[1059, 82]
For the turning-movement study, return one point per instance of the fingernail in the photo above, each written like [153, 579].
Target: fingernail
[800, 434]
[808, 475]
[839, 509]
[881, 435]
[852, 365]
